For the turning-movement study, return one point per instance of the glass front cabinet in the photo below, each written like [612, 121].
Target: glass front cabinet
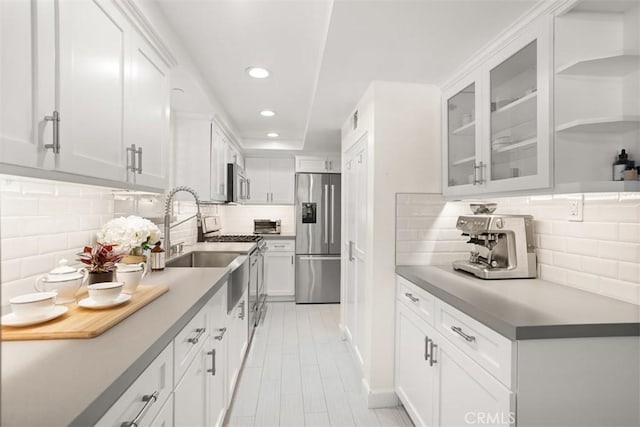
[497, 119]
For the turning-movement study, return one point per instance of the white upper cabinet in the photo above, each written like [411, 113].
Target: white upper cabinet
[148, 114]
[597, 94]
[497, 121]
[270, 181]
[192, 145]
[92, 87]
[20, 103]
[318, 164]
[80, 87]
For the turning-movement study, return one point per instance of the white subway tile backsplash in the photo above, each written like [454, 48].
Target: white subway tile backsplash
[600, 254]
[10, 270]
[629, 232]
[42, 222]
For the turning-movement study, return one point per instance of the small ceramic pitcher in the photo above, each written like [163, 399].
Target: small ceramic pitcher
[131, 275]
[64, 280]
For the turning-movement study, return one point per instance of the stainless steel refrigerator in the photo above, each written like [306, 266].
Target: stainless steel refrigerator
[317, 238]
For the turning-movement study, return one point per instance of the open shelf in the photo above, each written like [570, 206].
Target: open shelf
[463, 161]
[468, 129]
[597, 187]
[611, 124]
[611, 64]
[515, 145]
[520, 111]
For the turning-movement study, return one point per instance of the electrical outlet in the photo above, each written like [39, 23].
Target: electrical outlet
[575, 209]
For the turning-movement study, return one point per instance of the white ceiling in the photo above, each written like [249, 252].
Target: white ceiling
[324, 54]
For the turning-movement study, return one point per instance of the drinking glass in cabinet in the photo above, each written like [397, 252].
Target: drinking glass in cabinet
[462, 136]
[513, 115]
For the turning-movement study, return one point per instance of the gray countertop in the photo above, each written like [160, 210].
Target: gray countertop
[522, 309]
[62, 382]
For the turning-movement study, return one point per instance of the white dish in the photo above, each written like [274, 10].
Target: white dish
[90, 303]
[12, 320]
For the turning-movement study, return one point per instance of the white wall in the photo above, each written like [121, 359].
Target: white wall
[600, 254]
[239, 219]
[402, 121]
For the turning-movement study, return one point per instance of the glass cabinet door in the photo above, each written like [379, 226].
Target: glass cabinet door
[461, 137]
[514, 144]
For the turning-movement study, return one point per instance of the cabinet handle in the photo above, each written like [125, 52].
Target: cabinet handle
[248, 189]
[426, 348]
[222, 332]
[411, 297]
[139, 153]
[458, 330]
[241, 315]
[291, 259]
[212, 353]
[432, 354]
[195, 339]
[351, 258]
[149, 400]
[479, 168]
[55, 118]
[326, 165]
[330, 165]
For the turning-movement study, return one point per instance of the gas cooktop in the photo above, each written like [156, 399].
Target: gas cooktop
[234, 238]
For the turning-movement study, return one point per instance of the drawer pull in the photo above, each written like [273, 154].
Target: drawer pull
[212, 353]
[411, 297]
[222, 332]
[149, 400]
[458, 330]
[195, 339]
[432, 354]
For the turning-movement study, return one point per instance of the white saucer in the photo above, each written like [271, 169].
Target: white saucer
[12, 320]
[90, 303]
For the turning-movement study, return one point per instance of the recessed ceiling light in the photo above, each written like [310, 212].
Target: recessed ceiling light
[258, 72]
[273, 135]
[267, 113]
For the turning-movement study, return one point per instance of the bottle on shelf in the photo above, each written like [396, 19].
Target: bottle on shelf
[630, 172]
[620, 165]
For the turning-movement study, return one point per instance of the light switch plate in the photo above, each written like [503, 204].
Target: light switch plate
[575, 208]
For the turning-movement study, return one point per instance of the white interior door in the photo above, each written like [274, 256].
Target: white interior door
[148, 118]
[91, 88]
[355, 223]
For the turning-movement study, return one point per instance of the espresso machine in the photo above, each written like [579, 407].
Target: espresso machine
[502, 246]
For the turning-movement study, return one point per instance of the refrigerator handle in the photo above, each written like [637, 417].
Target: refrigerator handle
[333, 210]
[319, 258]
[326, 214]
[351, 258]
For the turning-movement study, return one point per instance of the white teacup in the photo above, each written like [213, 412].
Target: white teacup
[105, 292]
[131, 275]
[33, 305]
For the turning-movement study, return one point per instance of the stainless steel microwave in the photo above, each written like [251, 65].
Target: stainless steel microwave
[237, 184]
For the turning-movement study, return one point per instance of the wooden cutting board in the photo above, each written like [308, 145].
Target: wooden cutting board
[81, 322]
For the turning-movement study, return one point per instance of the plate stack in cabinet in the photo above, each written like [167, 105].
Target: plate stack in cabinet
[597, 94]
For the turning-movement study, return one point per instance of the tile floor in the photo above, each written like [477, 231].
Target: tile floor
[298, 372]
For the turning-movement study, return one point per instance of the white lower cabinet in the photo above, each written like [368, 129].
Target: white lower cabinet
[279, 269]
[165, 417]
[436, 381]
[238, 331]
[192, 392]
[143, 400]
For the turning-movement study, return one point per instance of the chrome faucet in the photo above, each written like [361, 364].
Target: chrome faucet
[168, 213]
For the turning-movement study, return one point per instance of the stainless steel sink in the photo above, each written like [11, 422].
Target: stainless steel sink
[203, 259]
